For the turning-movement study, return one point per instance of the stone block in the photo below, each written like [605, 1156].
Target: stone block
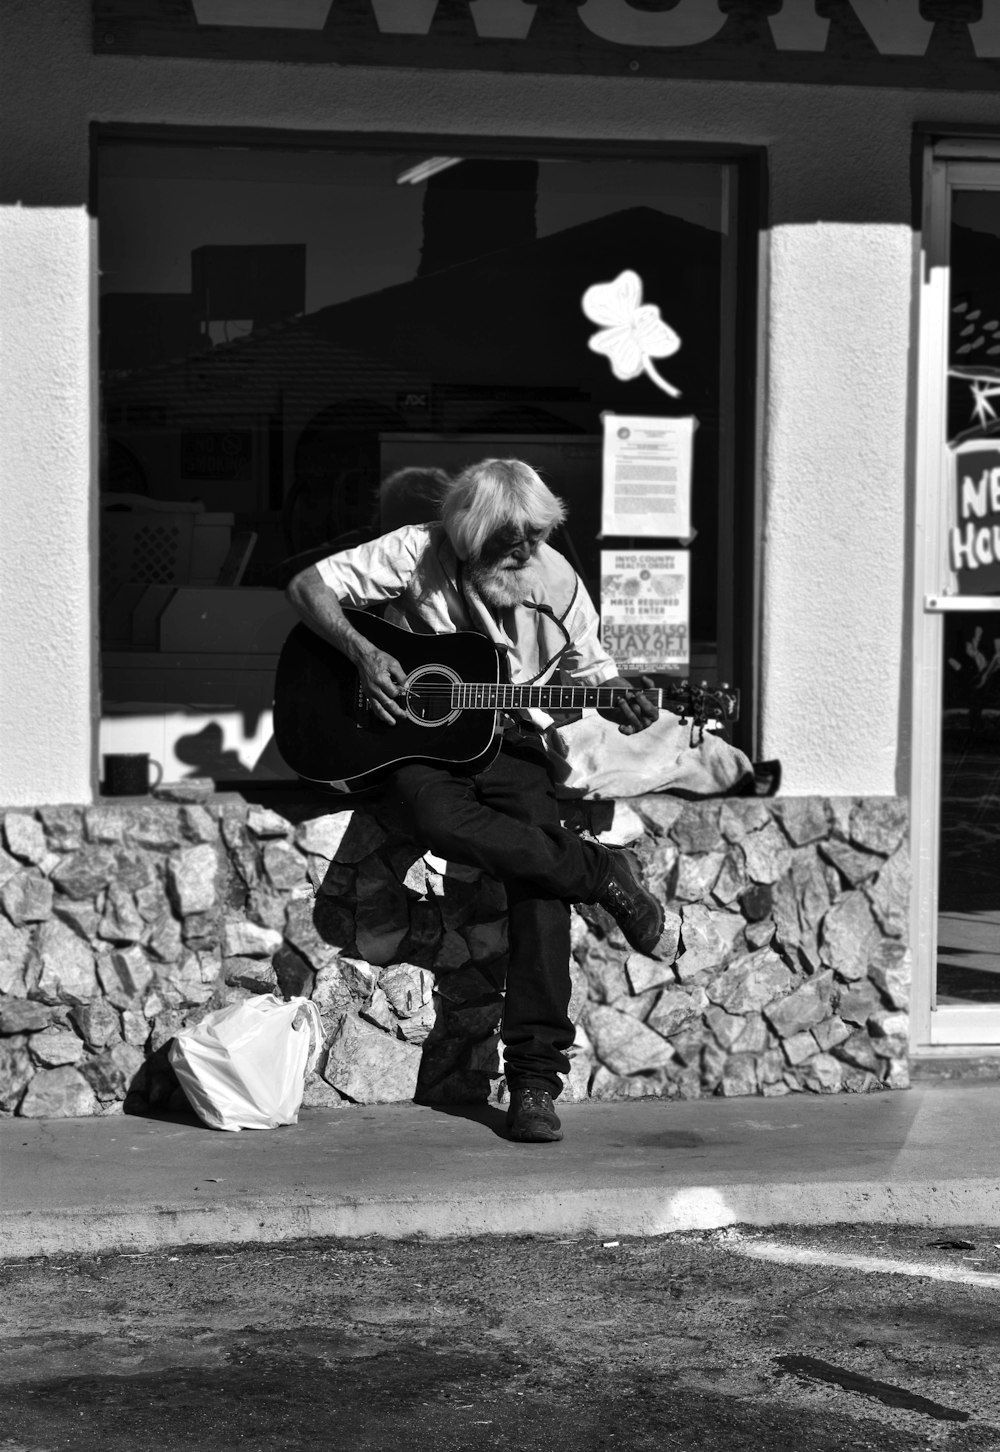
[110, 1074]
[364, 836]
[242, 850]
[726, 1027]
[750, 983]
[659, 812]
[889, 970]
[644, 973]
[23, 1015]
[198, 825]
[451, 953]
[164, 940]
[756, 900]
[697, 830]
[8, 865]
[811, 889]
[739, 1076]
[378, 1012]
[15, 944]
[770, 1068]
[804, 819]
[731, 882]
[857, 1003]
[158, 827]
[135, 1028]
[319, 931]
[55, 1046]
[803, 1007]
[24, 837]
[58, 1094]
[369, 1066]
[799, 1047]
[712, 1063]
[257, 975]
[125, 975]
[407, 988]
[193, 790]
[853, 864]
[133, 870]
[323, 835]
[626, 827]
[847, 934]
[121, 921]
[766, 853]
[267, 907]
[27, 897]
[63, 828]
[284, 866]
[879, 823]
[250, 940]
[262, 822]
[318, 1094]
[830, 1032]
[97, 1023]
[16, 1070]
[822, 1075]
[191, 874]
[623, 1044]
[889, 894]
[759, 934]
[65, 964]
[104, 824]
[887, 1025]
[755, 1037]
[486, 941]
[638, 1005]
[858, 1051]
[697, 875]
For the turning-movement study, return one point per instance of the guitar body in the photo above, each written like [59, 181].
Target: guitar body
[328, 735]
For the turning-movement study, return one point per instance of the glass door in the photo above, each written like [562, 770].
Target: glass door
[956, 799]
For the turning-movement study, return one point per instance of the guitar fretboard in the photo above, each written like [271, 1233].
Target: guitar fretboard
[472, 696]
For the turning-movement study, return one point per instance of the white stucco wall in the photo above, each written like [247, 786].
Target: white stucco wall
[836, 392]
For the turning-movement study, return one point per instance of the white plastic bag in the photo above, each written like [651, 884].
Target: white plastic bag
[245, 1066]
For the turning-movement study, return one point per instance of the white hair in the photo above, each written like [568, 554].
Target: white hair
[493, 495]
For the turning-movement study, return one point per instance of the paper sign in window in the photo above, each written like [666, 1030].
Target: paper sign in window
[647, 476]
[644, 609]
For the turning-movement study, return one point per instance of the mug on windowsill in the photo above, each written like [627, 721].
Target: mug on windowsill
[126, 774]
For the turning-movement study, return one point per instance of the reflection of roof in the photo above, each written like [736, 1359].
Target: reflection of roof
[287, 367]
[480, 321]
[476, 324]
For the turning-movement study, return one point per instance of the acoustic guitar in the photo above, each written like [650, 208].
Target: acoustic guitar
[329, 735]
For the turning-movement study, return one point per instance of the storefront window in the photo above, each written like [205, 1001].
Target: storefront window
[283, 328]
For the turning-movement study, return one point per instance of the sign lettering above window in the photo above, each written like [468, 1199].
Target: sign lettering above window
[850, 42]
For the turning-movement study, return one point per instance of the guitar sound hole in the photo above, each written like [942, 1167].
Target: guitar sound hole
[429, 698]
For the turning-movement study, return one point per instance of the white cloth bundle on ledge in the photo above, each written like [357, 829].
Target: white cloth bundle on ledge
[592, 758]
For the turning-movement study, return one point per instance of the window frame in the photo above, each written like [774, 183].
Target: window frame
[748, 365]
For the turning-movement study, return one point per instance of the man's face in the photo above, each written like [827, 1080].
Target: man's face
[502, 572]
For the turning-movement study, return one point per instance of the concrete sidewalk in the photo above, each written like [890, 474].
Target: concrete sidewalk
[929, 1155]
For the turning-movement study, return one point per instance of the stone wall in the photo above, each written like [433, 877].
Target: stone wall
[783, 966]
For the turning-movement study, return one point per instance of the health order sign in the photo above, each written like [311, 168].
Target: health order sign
[974, 537]
[644, 609]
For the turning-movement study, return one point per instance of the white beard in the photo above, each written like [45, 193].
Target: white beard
[501, 588]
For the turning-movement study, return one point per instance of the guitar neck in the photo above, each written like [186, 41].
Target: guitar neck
[470, 696]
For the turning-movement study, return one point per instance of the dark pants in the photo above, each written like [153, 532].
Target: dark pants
[505, 820]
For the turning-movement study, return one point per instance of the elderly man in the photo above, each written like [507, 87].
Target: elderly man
[487, 567]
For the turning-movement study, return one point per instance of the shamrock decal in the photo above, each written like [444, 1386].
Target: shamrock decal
[632, 332]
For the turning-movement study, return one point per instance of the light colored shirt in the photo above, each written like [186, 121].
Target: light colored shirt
[416, 571]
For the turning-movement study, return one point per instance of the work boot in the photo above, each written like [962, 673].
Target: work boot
[531, 1116]
[636, 911]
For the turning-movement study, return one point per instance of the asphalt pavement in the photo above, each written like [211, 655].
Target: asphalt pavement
[929, 1155]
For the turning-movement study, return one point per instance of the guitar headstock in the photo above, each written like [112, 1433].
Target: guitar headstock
[702, 702]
